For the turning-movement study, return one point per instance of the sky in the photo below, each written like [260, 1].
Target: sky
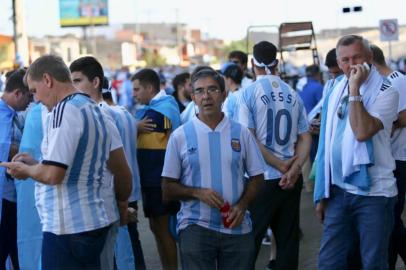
[225, 19]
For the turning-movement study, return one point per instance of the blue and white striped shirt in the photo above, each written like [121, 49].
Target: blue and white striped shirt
[126, 125]
[229, 104]
[276, 113]
[204, 158]
[78, 138]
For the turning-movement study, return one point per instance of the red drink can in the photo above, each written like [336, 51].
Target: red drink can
[225, 212]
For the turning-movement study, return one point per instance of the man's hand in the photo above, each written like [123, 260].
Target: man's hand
[320, 210]
[286, 164]
[146, 125]
[17, 170]
[24, 158]
[358, 75]
[315, 127]
[289, 179]
[132, 215]
[210, 197]
[236, 215]
[123, 211]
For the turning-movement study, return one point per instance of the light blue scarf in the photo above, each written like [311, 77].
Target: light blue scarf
[165, 105]
[29, 229]
[356, 156]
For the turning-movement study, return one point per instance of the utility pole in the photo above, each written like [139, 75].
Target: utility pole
[15, 27]
[19, 35]
[178, 37]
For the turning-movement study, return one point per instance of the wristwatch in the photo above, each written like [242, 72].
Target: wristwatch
[355, 99]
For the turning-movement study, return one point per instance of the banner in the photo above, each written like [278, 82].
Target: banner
[83, 12]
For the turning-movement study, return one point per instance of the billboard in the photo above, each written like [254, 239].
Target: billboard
[83, 12]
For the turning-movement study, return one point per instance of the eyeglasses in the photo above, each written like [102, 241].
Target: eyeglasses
[342, 107]
[209, 91]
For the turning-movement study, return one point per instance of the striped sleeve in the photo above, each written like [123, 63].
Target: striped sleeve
[64, 130]
[167, 123]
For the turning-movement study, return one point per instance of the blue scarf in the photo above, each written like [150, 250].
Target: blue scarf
[6, 122]
[29, 229]
[165, 105]
[359, 155]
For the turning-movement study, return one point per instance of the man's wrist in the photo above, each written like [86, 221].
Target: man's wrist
[357, 98]
[353, 91]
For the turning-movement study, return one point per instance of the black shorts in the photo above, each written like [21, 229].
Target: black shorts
[154, 206]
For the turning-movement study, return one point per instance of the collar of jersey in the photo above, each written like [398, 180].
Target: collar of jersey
[204, 127]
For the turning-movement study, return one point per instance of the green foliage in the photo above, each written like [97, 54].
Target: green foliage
[154, 59]
[240, 45]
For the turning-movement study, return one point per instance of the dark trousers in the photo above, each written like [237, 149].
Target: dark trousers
[205, 249]
[278, 209]
[135, 241]
[8, 234]
[73, 251]
[397, 243]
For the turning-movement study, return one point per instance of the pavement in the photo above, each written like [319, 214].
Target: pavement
[309, 245]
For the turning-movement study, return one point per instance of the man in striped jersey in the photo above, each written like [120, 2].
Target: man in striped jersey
[76, 150]
[276, 116]
[204, 168]
[88, 76]
[398, 80]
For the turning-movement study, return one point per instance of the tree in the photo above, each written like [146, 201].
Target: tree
[154, 59]
[237, 45]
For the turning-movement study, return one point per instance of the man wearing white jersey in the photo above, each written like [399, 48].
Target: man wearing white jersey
[204, 168]
[276, 115]
[88, 76]
[398, 81]
[77, 148]
[355, 190]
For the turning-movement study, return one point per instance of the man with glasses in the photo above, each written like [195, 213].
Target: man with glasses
[204, 168]
[355, 189]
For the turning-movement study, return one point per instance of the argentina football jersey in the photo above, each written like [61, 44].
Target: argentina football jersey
[398, 81]
[276, 113]
[126, 125]
[77, 138]
[217, 159]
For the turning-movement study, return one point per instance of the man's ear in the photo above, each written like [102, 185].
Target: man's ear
[151, 90]
[96, 82]
[48, 80]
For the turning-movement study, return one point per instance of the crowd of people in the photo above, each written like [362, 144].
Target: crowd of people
[218, 162]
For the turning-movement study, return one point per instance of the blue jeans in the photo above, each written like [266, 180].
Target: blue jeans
[348, 217]
[206, 249]
[73, 251]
